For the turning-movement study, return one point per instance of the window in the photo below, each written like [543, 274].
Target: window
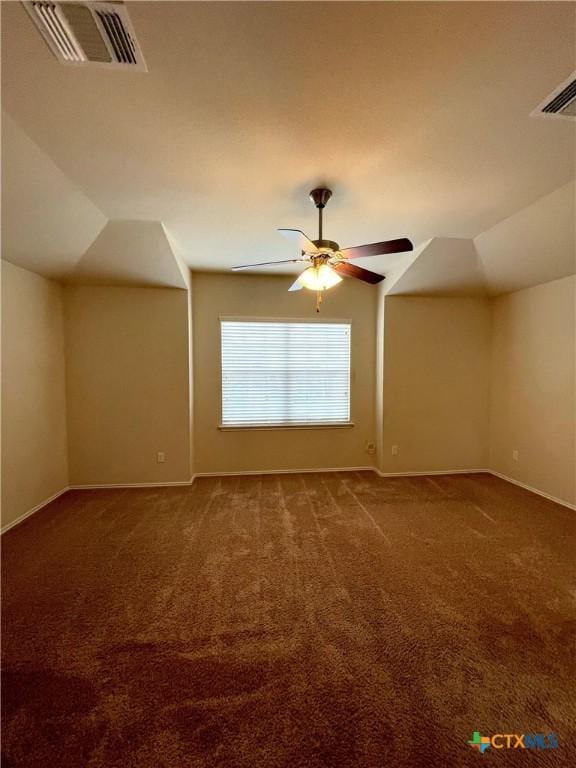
[285, 373]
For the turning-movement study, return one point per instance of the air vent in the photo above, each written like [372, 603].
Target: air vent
[97, 34]
[561, 103]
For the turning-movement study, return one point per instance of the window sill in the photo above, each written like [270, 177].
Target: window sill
[268, 427]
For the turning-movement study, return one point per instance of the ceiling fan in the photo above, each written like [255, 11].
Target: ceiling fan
[327, 261]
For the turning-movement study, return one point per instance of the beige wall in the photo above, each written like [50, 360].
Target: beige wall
[463, 383]
[34, 456]
[380, 339]
[267, 296]
[436, 383]
[533, 387]
[191, 447]
[128, 384]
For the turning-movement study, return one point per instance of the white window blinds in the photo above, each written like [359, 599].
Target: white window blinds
[285, 373]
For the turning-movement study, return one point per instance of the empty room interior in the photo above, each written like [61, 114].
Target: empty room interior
[288, 384]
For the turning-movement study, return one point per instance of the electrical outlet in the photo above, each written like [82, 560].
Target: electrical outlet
[395, 450]
[370, 447]
[160, 457]
[515, 454]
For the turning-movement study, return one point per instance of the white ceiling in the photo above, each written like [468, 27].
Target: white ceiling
[416, 113]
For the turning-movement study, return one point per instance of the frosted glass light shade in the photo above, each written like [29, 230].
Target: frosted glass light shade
[319, 278]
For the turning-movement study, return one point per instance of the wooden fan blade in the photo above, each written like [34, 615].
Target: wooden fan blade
[295, 236]
[267, 264]
[351, 270]
[378, 249]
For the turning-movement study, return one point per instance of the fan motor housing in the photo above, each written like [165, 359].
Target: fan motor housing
[333, 246]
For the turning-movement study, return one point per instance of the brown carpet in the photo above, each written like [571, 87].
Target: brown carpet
[291, 620]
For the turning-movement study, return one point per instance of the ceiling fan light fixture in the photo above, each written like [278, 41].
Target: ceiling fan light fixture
[319, 278]
[321, 254]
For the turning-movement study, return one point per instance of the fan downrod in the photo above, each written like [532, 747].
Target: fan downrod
[320, 197]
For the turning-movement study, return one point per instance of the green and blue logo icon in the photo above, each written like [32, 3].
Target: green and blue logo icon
[481, 743]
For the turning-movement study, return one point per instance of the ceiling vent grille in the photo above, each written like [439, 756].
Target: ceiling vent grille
[561, 103]
[90, 34]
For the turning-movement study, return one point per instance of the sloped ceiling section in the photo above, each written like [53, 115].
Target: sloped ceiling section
[130, 253]
[535, 245]
[47, 222]
[394, 267]
[446, 266]
[51, 227]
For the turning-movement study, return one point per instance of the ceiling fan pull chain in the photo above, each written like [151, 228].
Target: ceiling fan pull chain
[318, 300]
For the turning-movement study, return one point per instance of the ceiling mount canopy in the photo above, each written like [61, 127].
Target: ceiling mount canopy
[320, 197]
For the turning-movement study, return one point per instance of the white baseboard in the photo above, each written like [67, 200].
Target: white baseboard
[480, 471]
[283, 471]
[533, 490]
[433, 472]
[102, 486]
[165, 484]
[30, 512]
[42, 504]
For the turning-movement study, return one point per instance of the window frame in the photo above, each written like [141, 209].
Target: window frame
[287, 425]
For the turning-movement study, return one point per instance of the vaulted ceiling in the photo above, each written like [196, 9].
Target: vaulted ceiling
[535, 245]
[417, 114]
